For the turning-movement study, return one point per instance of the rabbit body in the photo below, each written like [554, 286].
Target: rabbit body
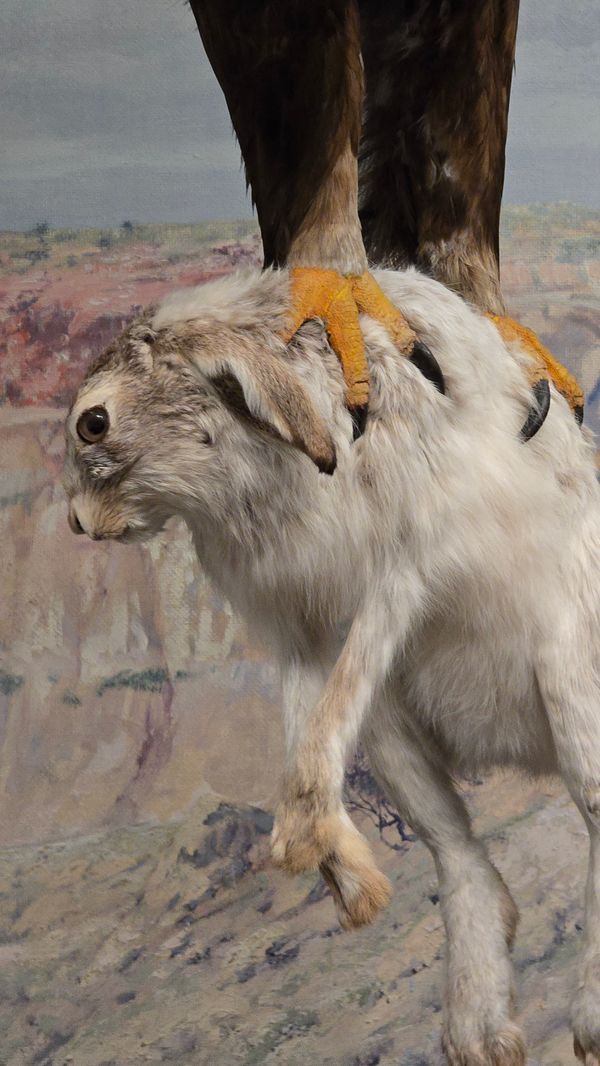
[430, 589]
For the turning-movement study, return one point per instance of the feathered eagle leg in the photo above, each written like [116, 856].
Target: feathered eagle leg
[291, 72]
[432, 153]
[292, 75]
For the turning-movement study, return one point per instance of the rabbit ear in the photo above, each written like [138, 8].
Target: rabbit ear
[274, 395]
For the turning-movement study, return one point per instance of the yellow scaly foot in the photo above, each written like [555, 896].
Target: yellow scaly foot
[339, 300]
[545, 365]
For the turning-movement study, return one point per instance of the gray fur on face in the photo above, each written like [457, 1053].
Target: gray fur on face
[462, 565]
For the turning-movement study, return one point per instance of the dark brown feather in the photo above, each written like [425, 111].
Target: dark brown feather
[438, 78]
[290, 72]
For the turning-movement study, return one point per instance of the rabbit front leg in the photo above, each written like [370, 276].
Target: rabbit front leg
[312, 828]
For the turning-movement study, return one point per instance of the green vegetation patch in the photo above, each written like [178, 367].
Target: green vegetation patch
[71, 699]
[64, 247]
[578, 249]
[548, 220]
[9, 683]
[150, 680]
[295, 1023]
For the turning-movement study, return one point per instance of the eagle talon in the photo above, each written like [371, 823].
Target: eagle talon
[425, 361]
[545, 367]
[536, 415]
[359, 420]
[339, 300]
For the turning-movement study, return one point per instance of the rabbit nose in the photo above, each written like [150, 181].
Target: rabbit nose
[74, 522]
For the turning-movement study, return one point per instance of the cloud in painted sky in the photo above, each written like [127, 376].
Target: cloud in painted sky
[110, 110]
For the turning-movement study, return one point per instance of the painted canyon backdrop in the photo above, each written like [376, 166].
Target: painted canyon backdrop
[140, 919]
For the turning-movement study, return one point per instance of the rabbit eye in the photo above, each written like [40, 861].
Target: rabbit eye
[93, 424]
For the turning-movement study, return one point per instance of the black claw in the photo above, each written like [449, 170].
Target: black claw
[425, 361]
[537, 413]
[359, 420]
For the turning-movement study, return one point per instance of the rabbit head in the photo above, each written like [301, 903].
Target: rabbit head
[184, 410]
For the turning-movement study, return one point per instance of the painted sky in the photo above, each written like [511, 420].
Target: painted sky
[110, 111]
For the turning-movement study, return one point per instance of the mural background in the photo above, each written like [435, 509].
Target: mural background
[140, 920]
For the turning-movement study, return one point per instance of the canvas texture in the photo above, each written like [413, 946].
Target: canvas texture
[141, 920]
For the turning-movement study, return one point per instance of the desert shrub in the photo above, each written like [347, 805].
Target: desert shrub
[363, 795]
[61, 236]
[578, 249]
[105, 240]
[34, 255]
[41, 229]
